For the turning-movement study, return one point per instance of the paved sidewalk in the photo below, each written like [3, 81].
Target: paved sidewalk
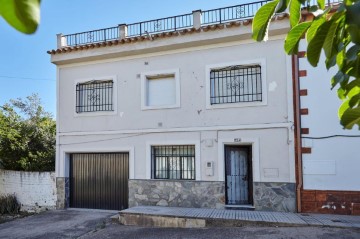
[216, 217]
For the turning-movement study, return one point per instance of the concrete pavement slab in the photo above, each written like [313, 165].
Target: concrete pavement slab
[55, 224]
[214, 217]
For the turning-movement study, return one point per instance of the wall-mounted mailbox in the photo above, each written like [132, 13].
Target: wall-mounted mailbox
[209, 168]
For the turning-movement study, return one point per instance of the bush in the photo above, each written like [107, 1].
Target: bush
[9, 204]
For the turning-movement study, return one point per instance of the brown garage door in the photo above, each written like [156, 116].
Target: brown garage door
[99, 180]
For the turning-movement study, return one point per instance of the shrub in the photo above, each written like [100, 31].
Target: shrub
[9, 204]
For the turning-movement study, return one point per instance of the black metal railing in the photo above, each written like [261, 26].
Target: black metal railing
[173, 162]
[160, 25]
[94, 96]
[227, 14]
[234, 84]
[327, 2]
[168, 24]
[95, 36]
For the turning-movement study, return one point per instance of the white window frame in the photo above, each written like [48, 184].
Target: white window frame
[177, 142]
[96, 113]
[154, 74]
[261, 62]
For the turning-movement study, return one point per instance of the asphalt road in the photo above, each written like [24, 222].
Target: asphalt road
[97, 224]
[119, 231]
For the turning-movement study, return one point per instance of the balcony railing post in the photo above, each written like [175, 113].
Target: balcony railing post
[61, 40]
[220, 14]
[174, 23]
[123, 31]
[196, 19]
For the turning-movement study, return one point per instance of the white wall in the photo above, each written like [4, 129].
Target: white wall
[271, 150]
[334, 162]
[192, 66]
[35, 191]
[266, 126]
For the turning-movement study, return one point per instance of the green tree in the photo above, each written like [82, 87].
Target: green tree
[23, 15]
[335, 30]
[27, 136]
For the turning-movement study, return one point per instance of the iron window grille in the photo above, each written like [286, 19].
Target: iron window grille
[94, 96]
[173, 162]
[235, 84]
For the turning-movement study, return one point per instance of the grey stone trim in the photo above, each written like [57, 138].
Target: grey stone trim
[176, 193]
[63, 192]
[275, 196]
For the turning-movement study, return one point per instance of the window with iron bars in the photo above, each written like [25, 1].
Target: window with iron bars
[235, 84]
[173, 162]
[93, 96]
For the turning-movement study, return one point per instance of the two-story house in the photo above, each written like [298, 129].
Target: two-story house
[183, 111]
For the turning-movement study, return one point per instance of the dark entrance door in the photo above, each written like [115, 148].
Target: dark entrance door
[238, 175]
[99, 181]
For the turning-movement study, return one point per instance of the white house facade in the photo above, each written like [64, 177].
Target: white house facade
[329, 160]
[200, 116]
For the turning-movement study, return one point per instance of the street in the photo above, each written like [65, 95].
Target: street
[119, 231]
[97, 224]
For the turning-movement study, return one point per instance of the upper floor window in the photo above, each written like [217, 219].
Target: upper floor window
[235, 84]
[94, 96]
[160, 89]
[173, 162]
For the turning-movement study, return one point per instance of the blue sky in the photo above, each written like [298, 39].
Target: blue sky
[25, 66]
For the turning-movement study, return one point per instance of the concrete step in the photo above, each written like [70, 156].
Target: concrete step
[155, 216]
[115, 218]
[240, 207]
[146, 220]
[131, 219]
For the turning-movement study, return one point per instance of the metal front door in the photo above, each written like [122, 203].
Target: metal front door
[238, 175]
[99, 180]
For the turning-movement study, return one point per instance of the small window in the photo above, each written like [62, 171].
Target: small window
[235, 84]
[94, 96]
[161, 91]
[173, 162]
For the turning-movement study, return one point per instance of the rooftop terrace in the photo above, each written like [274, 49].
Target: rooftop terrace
[195, 20]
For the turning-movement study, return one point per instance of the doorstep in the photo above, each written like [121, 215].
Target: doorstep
[240, 207]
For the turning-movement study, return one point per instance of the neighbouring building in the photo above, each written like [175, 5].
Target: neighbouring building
[330, 182]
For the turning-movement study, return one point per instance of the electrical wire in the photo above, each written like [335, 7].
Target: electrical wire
[332, 136]
[26, 78]
[103, 140]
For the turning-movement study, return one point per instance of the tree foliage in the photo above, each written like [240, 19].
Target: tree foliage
[27, 136]
[333, 29]
[23, 15]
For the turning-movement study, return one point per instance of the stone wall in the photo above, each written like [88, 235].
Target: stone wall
[267, 196]
[35, 191]
[275, 197]
[63, 192]
[197, 194]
